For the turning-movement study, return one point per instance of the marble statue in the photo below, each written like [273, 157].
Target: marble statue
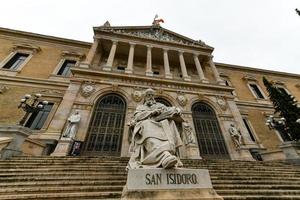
[236, 136]
[72, 126]
[154, 137]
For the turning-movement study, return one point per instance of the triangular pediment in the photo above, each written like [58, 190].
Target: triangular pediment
[152, 32]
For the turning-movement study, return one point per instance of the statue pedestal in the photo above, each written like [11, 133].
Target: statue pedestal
[63, 147]
[162, 184]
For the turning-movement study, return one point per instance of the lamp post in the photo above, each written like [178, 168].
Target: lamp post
[32, 107]
[280, 126]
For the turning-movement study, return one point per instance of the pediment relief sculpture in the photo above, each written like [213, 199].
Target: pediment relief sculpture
[249, 77]
[153, 32]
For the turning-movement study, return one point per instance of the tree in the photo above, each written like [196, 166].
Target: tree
[286, 106]
[297, 11]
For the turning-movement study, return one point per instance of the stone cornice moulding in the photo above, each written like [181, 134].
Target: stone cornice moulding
[27, 47]
[81, 72]
[35, 36]
[74, 54]
[34, 82]
[249, 77]
[254, 104]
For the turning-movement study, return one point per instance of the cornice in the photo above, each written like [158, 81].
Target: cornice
[96, 74]
[33, 81]
[255, 70]
[254, 104]
[12, 32]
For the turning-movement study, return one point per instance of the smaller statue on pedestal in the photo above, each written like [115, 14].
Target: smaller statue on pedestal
[236, 136]
[72, 126]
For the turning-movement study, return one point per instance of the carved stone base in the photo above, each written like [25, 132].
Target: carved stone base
[242, 154]
[107, 68]
[175, 184]
[192, 151]
[128, 71]
[63, 147]
[187, 78]
[149, 73]
[168, 76]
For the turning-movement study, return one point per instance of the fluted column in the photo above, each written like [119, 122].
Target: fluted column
[199, 69]
[215, 71]
[183, 67]
[166, 64]
[129, 68]
[149, 61]
[91, 54]
[110, 59]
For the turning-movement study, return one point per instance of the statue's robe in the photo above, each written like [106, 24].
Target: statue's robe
[154, 138]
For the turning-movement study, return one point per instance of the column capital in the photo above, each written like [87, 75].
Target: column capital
[210, 57]
[114, 41]
[132, 44]
[149, 46]
[180, 51]
[196, 54]
[166, 49]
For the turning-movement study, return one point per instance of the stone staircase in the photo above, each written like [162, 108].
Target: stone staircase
[104, 177]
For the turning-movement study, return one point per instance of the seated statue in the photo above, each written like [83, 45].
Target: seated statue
[155, 138]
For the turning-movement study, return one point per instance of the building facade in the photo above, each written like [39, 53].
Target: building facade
[104, 81]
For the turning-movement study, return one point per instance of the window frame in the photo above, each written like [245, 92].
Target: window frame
[45, 121]
[22, 49]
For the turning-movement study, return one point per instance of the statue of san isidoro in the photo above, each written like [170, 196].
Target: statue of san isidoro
[155, 138]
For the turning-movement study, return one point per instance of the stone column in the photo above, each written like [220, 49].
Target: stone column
[166, 64]
[110, 59]
[199, 69]
[57, 124]
[91, 54]
[183, 67]
[129, 68]
[215, 71]
[149, 61]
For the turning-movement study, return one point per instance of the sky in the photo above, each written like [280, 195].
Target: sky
[255, 33]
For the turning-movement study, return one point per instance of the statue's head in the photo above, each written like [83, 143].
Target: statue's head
[149, 97]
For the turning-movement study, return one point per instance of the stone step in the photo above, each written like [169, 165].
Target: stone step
[62, 183]
[257, 197]
[291, 186]
[64, 178]
[61, 189]
[264, 192]
[64, 196]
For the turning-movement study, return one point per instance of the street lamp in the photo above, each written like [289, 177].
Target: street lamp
[279, 125]
[28, 107]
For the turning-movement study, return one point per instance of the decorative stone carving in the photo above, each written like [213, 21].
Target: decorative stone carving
[3, 89]
[157, 33]
[72, 126]
[249, 77]
[137, 95]
[50, 92]
[188, 133]
[26, 47]
[106, 24]
[182, 100]
[236, 136]
[221, 102]
[154, 135]
[87, 89]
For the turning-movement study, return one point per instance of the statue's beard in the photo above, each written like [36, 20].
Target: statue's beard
[150, 102]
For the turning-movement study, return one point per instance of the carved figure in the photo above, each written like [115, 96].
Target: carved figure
[155, 137]
[72, 126]
[236, 136]
[189, 133]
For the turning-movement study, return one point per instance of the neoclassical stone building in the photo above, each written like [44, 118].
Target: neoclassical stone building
[104, 81]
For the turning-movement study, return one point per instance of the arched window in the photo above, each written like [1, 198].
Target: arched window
[163, 101]
[209, 136]
[106, 127]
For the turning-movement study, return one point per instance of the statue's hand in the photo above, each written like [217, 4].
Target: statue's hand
[178, 111]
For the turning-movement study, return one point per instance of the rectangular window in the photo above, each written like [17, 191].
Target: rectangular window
[257, 91]
[37, 119]
[15, 62]
[65, 68]
[249, 129]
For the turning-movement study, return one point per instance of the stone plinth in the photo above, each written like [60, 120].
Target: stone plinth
[291, 150]
[162, 184]
[63, 147]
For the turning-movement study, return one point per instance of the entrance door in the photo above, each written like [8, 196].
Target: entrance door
[209, 136]
[106, 127]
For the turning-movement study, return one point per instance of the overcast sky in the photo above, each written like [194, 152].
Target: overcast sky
[255, 33]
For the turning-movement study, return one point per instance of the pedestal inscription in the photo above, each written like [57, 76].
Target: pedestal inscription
[149, 179]
[163, 184]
